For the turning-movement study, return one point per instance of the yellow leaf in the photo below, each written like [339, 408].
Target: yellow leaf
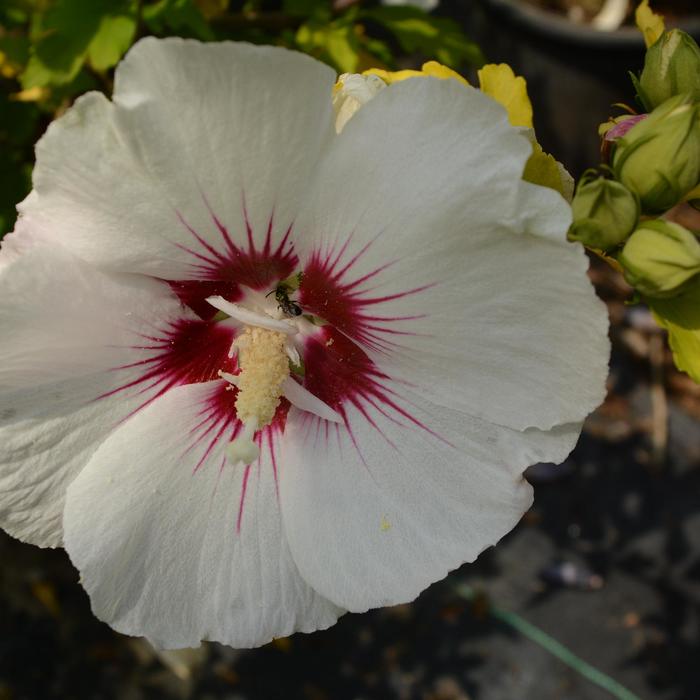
[509, 90]
[608, 259]
[693, 194]
[46, 595]
[680, 316]
[283, 643]
[542, 169]
[7, 68]
[649, 23]
[432, 69]
[35, 94]
[396, 76]
[437, 70]
[212, 8]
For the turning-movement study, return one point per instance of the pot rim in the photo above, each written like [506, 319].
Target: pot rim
[561, 29]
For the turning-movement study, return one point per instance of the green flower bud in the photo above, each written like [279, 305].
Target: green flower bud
[660, 257]
[671, 67]
[659, 158]
[605, 213]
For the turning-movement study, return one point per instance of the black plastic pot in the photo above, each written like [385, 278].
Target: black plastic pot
[559, 30]
[575, 73]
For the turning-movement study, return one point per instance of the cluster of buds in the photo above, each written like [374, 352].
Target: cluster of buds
[654, 165]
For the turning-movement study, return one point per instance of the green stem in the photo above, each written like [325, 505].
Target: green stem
[555, 648]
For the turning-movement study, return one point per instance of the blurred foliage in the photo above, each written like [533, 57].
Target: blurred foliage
[51, 51]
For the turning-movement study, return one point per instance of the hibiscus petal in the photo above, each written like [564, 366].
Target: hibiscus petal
[376, 511]
[428, 250]
[176, 543]
[197, 166]
[16, 242]
[78, 357]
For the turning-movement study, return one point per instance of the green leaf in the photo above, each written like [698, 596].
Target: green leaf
[73, 30]
[14, 50]
[180, 17]
[639, 93]
[380, 49]
[336, 43]
[60, 94]
[306, 8]
[343, 49]
[114, 36]
[15, 12]
[435, 37]
[680, 316]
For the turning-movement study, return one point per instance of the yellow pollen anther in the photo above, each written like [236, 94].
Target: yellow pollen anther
[262, 358]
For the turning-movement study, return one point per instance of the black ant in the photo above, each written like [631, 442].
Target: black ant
[288, 306]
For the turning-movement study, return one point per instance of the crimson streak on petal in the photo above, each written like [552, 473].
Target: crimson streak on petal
[329, 291]
[217, 423]
[221, 266]
[191, 351]
[340, 373]
[337, 368]
[185, 351]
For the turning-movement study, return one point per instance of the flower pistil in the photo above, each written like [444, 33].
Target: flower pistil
[264, 365]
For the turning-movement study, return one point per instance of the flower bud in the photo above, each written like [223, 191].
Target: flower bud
[660, 257]
[671, 67]
[605, 213]
[659, 158]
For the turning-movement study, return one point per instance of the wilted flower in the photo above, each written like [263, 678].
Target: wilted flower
[605, 213]
[350, 93]
[659, 158]
[660, 257]
[264, 373]
[671, 67]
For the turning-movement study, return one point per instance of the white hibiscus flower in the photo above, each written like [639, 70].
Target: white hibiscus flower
[443, 337]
